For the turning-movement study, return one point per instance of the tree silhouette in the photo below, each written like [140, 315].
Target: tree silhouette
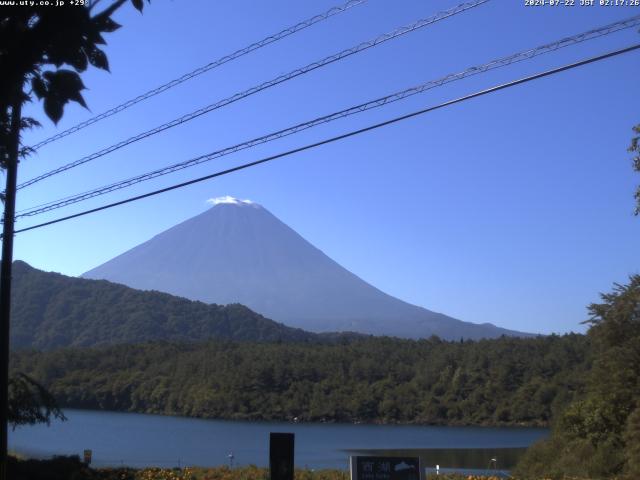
[30, 402]
[43, 51]
[635, 148]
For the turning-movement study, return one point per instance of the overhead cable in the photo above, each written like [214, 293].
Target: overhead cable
[497, 63]
[268, 84]
[340, 137]
[203, 69]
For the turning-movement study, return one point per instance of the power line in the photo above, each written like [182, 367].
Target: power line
[498, 63]
[203, 69]
[268, 84]
[343, 136]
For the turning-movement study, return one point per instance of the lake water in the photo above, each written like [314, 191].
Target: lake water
[143, 440]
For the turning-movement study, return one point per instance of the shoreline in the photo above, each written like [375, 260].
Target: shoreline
[522, 425]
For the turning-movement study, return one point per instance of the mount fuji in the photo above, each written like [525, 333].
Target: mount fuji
[238, 252]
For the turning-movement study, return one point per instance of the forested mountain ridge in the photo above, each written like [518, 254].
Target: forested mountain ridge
[506, 381]
[50, 310]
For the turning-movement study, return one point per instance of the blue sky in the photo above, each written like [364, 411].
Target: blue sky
[515, 208]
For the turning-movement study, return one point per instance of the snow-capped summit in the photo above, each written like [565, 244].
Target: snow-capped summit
[246, 255]
[229, 200]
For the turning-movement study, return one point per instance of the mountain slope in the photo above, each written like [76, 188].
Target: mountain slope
[237, 251]
[50, 310]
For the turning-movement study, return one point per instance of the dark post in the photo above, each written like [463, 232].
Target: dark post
[281, 456]
[5, 279]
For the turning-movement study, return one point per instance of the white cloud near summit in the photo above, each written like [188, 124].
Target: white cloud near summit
[228, 199]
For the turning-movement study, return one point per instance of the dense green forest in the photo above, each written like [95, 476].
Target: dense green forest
[507, 381]
[598, 435]
[50, 310]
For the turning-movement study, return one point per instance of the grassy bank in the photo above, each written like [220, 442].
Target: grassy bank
[71, 468]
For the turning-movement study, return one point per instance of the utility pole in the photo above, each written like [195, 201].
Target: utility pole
[5, 276]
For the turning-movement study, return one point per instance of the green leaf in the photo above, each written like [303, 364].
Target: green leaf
[53, 107]
[78, 60]
[77, 97]
[95, 38]
[29, 123]
[99, 59]
[64, 82]
[138, 4]
[39, 87]
[63, 86]
[106, 24]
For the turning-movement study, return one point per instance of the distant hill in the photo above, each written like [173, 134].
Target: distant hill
[238, 252]
[50, 310]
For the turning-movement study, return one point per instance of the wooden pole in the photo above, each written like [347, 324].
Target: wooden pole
[5, 278]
